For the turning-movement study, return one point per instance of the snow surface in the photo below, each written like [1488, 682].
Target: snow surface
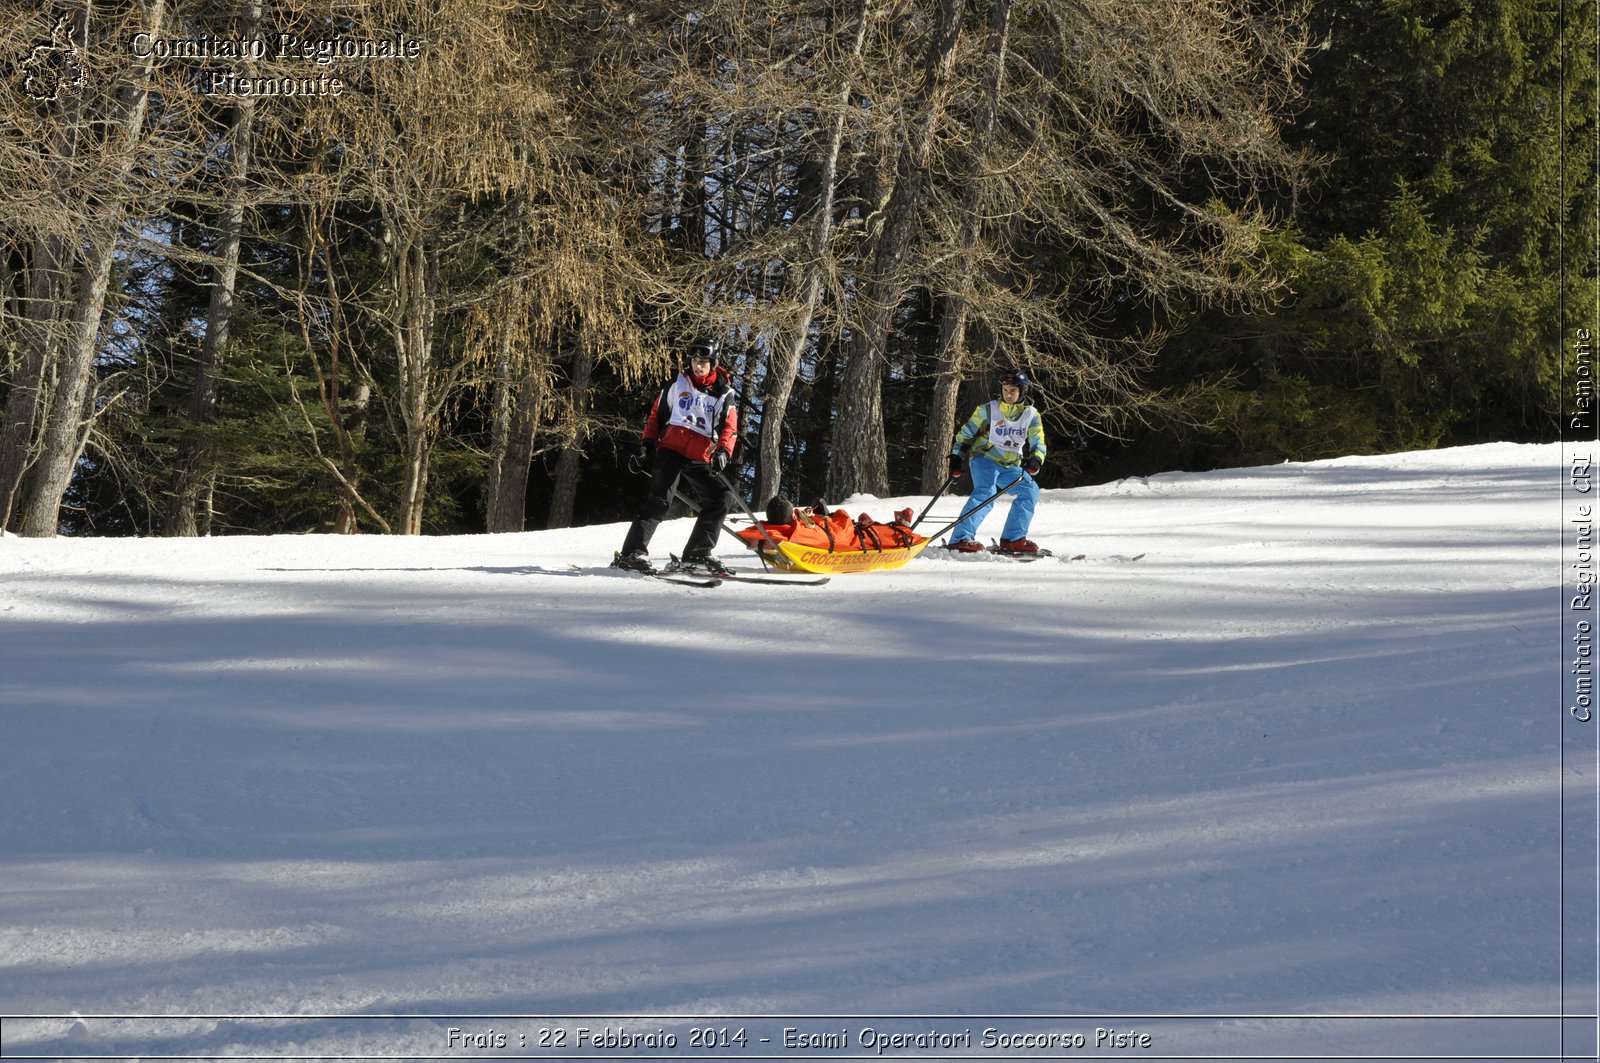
[1302, 759]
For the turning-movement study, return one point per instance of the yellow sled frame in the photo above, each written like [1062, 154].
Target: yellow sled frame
[813, 559]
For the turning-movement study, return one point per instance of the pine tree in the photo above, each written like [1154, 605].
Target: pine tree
[1425, 262]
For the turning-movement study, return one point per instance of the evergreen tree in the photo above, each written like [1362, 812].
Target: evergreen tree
[1425, 280]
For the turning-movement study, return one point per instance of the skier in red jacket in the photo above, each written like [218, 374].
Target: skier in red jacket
[691, 430]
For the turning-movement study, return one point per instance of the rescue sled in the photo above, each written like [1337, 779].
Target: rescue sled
[833, 543]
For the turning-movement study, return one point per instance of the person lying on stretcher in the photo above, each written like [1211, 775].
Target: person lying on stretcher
[835, 531]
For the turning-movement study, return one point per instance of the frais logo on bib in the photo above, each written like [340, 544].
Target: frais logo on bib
[694, 410]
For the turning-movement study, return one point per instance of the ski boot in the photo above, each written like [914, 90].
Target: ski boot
[634, 562]
[698, 564]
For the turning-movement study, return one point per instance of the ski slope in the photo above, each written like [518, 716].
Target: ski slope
[1302, 759]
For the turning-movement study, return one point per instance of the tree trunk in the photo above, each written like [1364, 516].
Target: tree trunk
[787, 350]
[416, 300]
[564, 497]
[43, 320]
[953, 323]
[519, 392]
[351, 427]
[346, 425]
[818, 441]
[692, 195]
[194, 462]
[31, 394]
[67, 421]
[859, 462]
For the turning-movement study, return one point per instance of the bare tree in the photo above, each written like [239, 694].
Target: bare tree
[46, 430]
[430, 138]
[788, 346]
[951, 352]
[608, 178]
[1140, 146]
[516, 398]
[858, 461]
[575, 433]
[40, 225]
[193, 466]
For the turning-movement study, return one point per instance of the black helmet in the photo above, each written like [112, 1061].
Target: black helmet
[704, 347]
[1017, 377]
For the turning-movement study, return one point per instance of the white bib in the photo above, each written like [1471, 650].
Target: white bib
[1009, 436]
[694, 409]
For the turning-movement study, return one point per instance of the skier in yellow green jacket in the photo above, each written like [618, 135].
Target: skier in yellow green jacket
[1006, 440]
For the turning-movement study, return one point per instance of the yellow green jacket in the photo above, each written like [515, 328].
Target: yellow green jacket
[1003, 432]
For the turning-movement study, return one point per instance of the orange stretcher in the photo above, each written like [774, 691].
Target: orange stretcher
[834, 543]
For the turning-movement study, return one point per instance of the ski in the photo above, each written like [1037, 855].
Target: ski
[722, 572]
[682, 579]
[1020, 555]
[986, 555]
[1026, 558]
[739, 576]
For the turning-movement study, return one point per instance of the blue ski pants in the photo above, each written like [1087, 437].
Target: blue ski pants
[987, 478]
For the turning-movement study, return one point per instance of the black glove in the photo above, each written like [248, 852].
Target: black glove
[640, 461]
[1031, 464]
[719, 460]
[958, 466]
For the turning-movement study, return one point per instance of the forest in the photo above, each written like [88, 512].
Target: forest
[420, 266]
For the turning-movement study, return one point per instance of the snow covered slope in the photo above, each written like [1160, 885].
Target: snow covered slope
[1302, 759]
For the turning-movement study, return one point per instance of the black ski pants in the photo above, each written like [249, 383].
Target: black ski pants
[710, 494]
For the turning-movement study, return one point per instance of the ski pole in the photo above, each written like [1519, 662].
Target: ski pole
[734, 491]
[973, 509]
[678, 495]
[936, 496]
[695, 509]
[687, 501]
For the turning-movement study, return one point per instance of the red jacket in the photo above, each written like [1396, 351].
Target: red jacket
[660, 431]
